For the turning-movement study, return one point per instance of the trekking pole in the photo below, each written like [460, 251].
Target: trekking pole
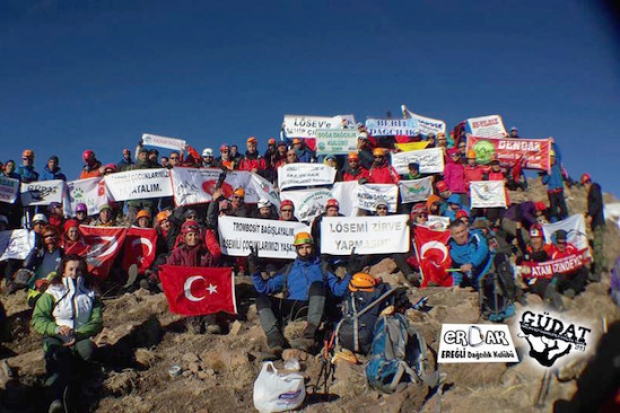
[545, 383]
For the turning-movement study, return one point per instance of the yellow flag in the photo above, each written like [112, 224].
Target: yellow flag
[412, 146]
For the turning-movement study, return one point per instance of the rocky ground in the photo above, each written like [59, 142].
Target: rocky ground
[142, 340]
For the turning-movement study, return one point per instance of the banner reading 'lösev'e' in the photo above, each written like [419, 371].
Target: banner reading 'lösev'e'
[535, 153]
[271, 239]
[368, 235]
[300, 126]
[139, 184]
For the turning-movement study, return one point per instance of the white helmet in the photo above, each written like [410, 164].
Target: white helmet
[39, 217]
[207, 152]
[263, 203]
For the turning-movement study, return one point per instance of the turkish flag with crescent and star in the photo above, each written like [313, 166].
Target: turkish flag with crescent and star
[433, 255]
[103, 244]
[195, 291]
[140, 248]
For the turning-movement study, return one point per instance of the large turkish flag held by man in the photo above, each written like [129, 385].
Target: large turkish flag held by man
[140, 248]
[195, 291]
[103, 244]
[434, 256]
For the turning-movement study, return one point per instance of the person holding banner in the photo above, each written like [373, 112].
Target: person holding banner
[332, 209]
[93, 167]
[135, 205]
[555, 190]
[252, 161]
[364, 151]
[304, 154]
[27, 172]
[304, 284]
[192, 252]
[106, 217]
[454, 174]
[381, 171]
[352, 171]
[52, 170]
[287, 211]
[125, 162]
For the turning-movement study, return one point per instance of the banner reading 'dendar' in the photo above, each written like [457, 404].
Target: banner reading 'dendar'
[535, 153]
[139, 184]
[368, 235]
[430, 161]
[270, 238]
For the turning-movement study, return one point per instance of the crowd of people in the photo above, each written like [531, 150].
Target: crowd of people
[188, 236]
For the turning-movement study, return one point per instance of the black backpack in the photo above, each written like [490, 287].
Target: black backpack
[498, 291]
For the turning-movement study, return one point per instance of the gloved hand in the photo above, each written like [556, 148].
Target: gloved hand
[362, 181]
[356, 262]
[252, 262]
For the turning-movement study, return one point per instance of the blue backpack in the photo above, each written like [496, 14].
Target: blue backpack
[398, 356]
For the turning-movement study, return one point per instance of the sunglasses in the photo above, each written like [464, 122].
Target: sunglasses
[381, 208]
[173, 157]
[286, 210]
[378, 157]
[49, 236]
[237, 197]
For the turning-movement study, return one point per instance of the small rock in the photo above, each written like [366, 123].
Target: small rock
[207, 374]
[385, 266]
[235, 328]
[291, 353]
[144, 357]
[190, 357]
[194, 367]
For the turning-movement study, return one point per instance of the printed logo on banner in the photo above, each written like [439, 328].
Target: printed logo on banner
[476, 343]
[553, 339]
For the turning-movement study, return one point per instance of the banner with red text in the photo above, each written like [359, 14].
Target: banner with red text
[534, 152]
[565, 265]
[490, 126]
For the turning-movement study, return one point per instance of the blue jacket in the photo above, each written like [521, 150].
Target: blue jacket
[302, 274]
[304, 155]
[47, 175]
[554, 179]
[474, 252]
[449, 212]
[28, 174]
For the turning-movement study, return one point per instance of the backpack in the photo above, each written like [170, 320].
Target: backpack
[355, 331]
[497, 291]
[398, 356]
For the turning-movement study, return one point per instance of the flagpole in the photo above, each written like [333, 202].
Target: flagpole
[415, 250]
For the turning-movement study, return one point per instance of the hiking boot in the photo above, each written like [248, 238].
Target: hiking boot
[276, 342]
[56, 407]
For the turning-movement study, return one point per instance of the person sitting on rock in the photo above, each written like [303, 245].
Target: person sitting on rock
[470, 255]
[572, 283]
[68, 314]
[304, 284]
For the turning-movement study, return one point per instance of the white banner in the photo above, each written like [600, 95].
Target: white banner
[437, 222]
[425, 125]
[612, 212]
[391, 127]
[430, 161]
[9, 188]
[490, 126]
[258, 188]
[415, 190]
[369, 235]
[300, 126]
[368, 195]
[487, 194]
[163, 141]
[305, 174]
[308, 203]
[42, 192]
[476, 343]
[271, 239]
[336, 141]
[575, 226]
[345, 193]
[139, 184]
[89, 191]
[16, 244]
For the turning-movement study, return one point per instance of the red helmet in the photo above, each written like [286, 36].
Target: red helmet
[585, 178]
[461, 213]
[332, 203]
[419, 209]
[224, 148]
[190, 226]
[88, 155]
[286, 202]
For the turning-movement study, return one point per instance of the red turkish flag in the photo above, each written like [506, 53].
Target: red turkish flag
[198, 290]
[103, 245]
[434, 255]
[140, 248]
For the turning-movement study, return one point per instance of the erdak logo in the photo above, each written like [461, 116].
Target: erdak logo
[476, 343]
[550, 338]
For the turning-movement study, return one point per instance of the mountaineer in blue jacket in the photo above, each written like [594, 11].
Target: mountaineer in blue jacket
[555, 187]
[304, 284]
[470, 254]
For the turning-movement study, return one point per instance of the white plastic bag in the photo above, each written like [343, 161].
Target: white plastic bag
[277, 392]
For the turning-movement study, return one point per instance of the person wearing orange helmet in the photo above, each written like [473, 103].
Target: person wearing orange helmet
[381, 171]
[332, 209]
[252, 161]
[352, 171]
[27, 172]
[473, 171]
[304, 154]
[596, 220]
[304, 284]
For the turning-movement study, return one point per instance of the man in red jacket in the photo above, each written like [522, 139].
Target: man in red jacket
[473, 171]
[382, 172]
[353, 171]
[252, 161]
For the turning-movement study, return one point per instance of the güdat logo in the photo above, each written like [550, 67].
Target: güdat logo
[550, 338]
[476, 343]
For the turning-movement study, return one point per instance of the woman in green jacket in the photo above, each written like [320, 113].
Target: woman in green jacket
[68, 314]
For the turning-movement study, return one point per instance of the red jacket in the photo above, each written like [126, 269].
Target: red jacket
[473, 173]
[253, 162]
[361, 173]
[196, 256]
[383, 175]
[208, 238]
